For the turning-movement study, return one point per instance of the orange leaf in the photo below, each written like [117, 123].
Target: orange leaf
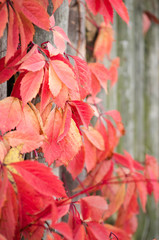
[70, 144]
[10, 114]
[104, 41]
[65, 74]
[116, 202]
[57, 4]
[29, 121]
[66, 122]
[30, 85]
[55, 83]
[94, 137]
[30, 141]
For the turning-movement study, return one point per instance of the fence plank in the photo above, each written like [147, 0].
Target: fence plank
[126, 83]
[3, 48]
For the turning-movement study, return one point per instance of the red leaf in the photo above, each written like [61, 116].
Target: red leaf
[30, 85]
[2, 237]
[57, 4]
[55, 83]
[76, 164]
[64, 229]
[70, 144]
[118, 232]
[142, 190]
[104, 41]
[94, 5]
[13, 35]
[117, 201]
[66, 122]
[113, 71]
[8, 218]
[151, 172]
[90, 154]
[52, 128]
[41, 178]
[97, 231]
[45, 92]
[94, 137]
[59, 38]
[62, 97]
[83, 111]
[83, 76]
[3, 19]
[65, 74]
[79, 233]
[26, 31]
[30, 201]
[93, 208]
[33, 63]
[120, 159]
[121, 9]
[29, 140]
[3, 188]
[36, 13]
[10, 114]
[29, 121]
[101, 73]
[146, 23]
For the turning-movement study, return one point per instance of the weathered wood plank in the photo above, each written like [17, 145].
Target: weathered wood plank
[139, 81]
[3, 48]
[126, 82]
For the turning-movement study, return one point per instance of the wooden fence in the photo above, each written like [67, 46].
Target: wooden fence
[136, 95]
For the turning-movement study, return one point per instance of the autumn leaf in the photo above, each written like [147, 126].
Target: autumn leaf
[104, 41]
[40, 177]
[13, 35]
[105, 8]
[82, 112]
[3, 20]
[8, 215]
[36, 13]
[14, 155]
[10, 113]
[30, 85]
[116, 202]
[100, 74]
[97, 231]
[70, 144]
[94, 137]
[34, 63]
[28, 140]
[76, 165]
[93, 208]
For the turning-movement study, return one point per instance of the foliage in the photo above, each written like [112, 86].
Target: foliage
[32, 199]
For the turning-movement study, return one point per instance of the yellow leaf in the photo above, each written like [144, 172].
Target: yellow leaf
[14, 155]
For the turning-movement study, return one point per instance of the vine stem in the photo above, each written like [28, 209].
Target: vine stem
[98, 185]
